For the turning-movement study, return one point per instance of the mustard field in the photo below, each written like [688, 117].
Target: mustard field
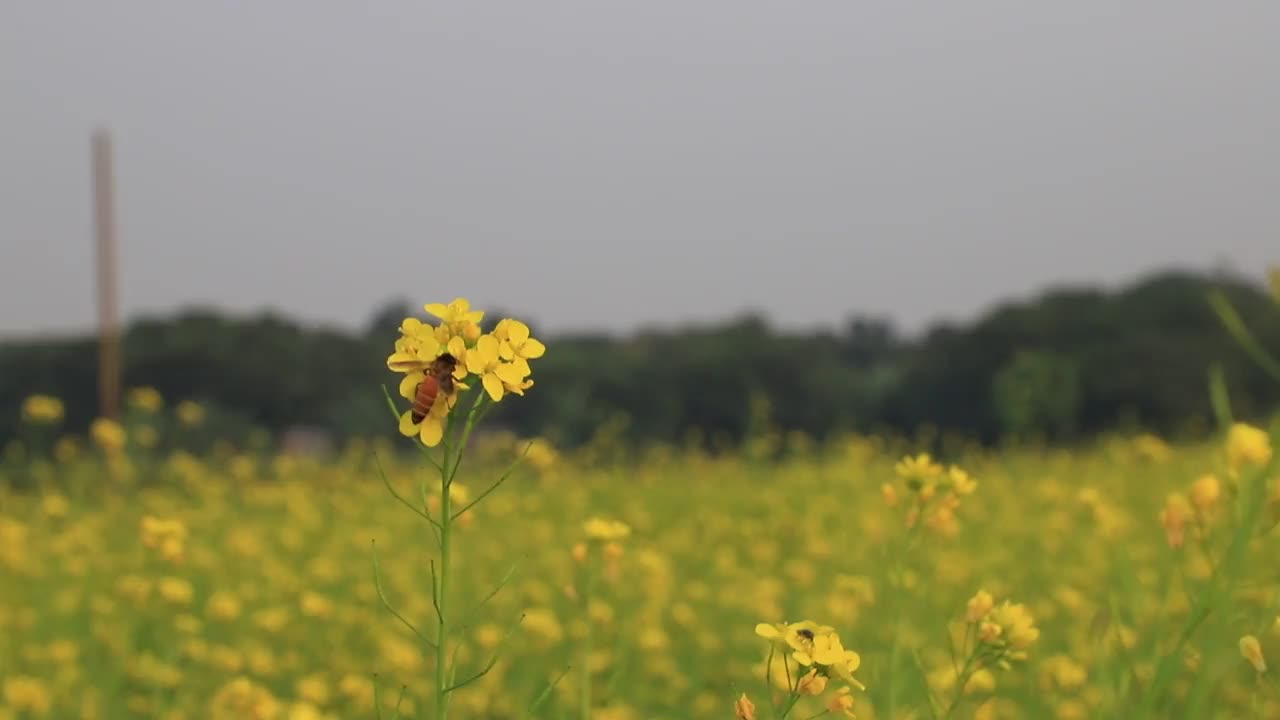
[462, 572]
[243, 586]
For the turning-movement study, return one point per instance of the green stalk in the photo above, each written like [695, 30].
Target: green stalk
[584, 691]
[442, 593]
[448, 469]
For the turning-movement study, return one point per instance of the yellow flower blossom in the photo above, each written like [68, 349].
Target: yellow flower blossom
[602, 530]
[189, 413]
[1174, 517]
[1251, 650]
[515, 345]
[744, 709]
[1247, 445]
[456, 313]
[146, 399]
[497, 376]
[42, 410]
[842, 702]
[978, 606]
[108, 434]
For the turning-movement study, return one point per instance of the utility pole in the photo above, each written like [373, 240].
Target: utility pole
[105, 236]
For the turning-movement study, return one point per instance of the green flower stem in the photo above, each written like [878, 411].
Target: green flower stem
[1220, 590]
[584, 691]
[448, 470]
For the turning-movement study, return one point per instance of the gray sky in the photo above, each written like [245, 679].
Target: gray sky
[601, 164]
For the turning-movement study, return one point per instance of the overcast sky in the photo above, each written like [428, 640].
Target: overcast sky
[600, 164]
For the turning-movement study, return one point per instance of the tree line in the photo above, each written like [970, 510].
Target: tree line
[1068, 364]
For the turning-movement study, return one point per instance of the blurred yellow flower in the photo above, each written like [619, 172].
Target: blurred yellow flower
[24, 693]
[744, 709]
[1247, 445]
[42, 410]
[1205, 492]
[918, 469]
[1174, 517]
[108, 434]
[602, 530]
[1251, 650]
[146, 399]
[189, 413]
[978, 606]
[842, 702]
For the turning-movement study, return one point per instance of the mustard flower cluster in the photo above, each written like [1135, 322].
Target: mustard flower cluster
[1004, 632]
[498, 360]
[930, 493]
[819, 656]
[166, 537]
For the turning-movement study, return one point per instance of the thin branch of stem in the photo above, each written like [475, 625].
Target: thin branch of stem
[492, 593]
[492, 661]
[501, 479]
[382, 595]
[394, 493]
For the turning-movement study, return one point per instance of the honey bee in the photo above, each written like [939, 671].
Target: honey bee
[438, 379]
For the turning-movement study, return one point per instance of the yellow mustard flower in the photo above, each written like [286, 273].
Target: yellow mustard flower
[27, 694]
[603, 530]
[190, 413]
[797, 636]
[42, 410]
[515, 345]
[1174, 517]
[1251, 650]
[457, 312]
[146, 399]
[842, 702]
[1205, 492]
[744, 709]
[108, 434]
[978, 606]
[811, 683]
[497, 376]
[1247, 445]
[829, 654]
[920, 467]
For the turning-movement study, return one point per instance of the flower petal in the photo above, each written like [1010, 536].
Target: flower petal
[432, 431]
[509, 373]
[493, 386]
[407, 428]
[487, 349]
[404, 362]
[457, 348]
[505, 351]
[475, 362]
[440, 311]
[532, 349]
[517, 332]
[409, 385]
[767, 631]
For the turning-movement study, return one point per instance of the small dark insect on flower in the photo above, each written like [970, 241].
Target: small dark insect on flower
[806, 634]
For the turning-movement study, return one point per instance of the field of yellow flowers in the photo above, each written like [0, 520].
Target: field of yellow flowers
[485, 576]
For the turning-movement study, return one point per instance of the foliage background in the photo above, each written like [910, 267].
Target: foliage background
[1068, 364]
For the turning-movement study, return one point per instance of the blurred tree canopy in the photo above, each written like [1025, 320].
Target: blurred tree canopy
[1070, 363]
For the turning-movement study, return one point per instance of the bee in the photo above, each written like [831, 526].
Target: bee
[805, 633]
[438, 379]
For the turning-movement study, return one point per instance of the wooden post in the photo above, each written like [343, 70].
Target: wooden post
[105, 234]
